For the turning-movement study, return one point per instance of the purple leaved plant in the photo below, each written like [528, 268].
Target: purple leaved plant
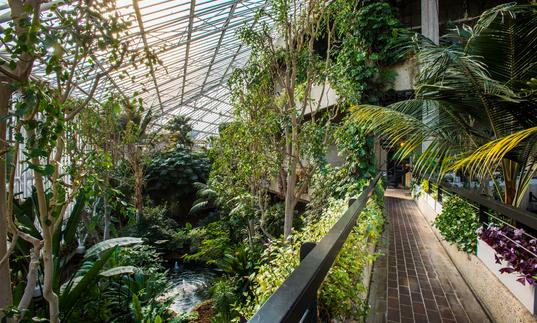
[515, 248]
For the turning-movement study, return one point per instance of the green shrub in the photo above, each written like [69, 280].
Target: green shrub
[208, 243]
[224, 296]
[159, 230]
[170, 178]
[130, 294]
[342, 294]
[458, 223]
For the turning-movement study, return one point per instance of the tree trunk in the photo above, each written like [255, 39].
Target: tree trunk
[31, 280]
[107, 217]
[138, 183]
[510, 172]
[48, 291]
[290, 198]
[5, 278]
[250, 230]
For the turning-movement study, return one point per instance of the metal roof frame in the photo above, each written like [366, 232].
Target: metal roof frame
[198, 44]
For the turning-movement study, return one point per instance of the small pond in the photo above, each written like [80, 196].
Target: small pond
[190, 287]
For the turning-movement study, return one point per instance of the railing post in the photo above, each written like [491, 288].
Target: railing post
[429, 186]
[483, 215]
[311, 315]
[439, 196]
[351, 201]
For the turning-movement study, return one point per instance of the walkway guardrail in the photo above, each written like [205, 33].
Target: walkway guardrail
[487, 204]
[296, 299]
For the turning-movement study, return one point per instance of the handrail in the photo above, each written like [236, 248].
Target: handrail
[521, 216]
[292, 301]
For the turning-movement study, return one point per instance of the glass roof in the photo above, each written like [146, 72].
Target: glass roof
[198, 45]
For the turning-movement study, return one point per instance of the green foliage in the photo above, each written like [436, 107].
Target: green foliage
[130, 291]
[170, 175]
[224, 296]
[367, 31]
[273, 219]
[159, 230]
[209, 243]
[458, 224]
[357, 146]
[342, 295]
[238, 264]
[102, 246]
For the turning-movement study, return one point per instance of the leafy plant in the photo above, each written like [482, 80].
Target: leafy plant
[368, 32]
[515, 248]
[209, 243]
[357, 147]
[170, 177]
[159, 230]
[472, 103]
[129, 287]
[224, 296]
[342, 294]
[458, 224]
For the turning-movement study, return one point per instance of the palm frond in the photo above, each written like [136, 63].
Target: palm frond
[198, 207]
[490, 156]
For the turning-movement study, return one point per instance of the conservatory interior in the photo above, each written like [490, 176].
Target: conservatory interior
[268, 161]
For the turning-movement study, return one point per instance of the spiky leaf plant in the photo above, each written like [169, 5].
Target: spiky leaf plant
[475, 103]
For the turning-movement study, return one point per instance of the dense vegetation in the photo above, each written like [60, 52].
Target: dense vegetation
[458, 224]
[474, 104]
[117, 201]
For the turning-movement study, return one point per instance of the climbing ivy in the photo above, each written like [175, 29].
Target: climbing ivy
[368, 31]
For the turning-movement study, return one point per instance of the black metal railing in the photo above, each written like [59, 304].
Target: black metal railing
[296, 299]
[487, 205]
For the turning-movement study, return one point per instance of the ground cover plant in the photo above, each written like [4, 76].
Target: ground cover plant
[458, 224]
[513, 248]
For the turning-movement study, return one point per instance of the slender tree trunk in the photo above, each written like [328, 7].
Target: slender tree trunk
[250, 230]
[107, 217]
[138, 183]
[5, 278]
[48, 291]
[31, 280]
[290, 198]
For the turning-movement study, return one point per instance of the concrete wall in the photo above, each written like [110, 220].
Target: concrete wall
[405, 75]
[322, 96]
[496, 299]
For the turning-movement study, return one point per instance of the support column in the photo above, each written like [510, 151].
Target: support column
[429, 20]
[430, 29]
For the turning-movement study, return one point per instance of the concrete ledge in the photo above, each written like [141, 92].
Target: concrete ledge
[501, 305]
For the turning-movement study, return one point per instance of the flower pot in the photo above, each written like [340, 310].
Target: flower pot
[526, 294]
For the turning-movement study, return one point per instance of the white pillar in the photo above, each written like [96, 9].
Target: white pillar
[429, 20]
[430, 29]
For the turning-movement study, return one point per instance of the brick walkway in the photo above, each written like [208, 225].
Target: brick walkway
[415, 281]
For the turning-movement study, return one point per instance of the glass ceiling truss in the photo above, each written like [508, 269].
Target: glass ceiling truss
[198, 45]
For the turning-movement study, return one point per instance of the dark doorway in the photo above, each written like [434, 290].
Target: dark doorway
[396, 171]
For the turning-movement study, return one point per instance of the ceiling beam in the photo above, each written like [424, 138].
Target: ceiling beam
[188, 41]
[224, 29]
[256, 20]
[146, 48]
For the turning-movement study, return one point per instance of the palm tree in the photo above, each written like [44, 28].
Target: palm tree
[475, 103]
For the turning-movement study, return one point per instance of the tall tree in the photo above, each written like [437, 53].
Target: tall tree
[295, 65]
[63, 40]
[475, 102]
